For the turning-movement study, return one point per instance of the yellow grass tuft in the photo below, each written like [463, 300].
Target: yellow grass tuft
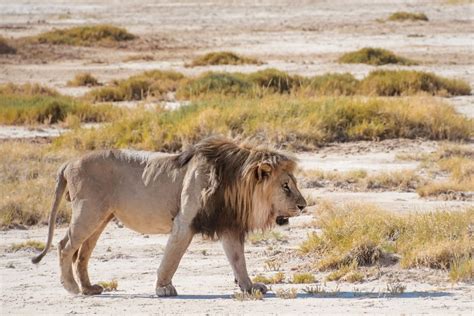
[223, 58]
[286, 293]
[462, 270]
[374, 56]
[83, 79]
[109, 286]
[303, 278]
[277, 278]
[402, 16]
[27, 245]
[256, 295]
[85, 36]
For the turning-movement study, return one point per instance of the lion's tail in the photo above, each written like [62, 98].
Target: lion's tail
[60, 188]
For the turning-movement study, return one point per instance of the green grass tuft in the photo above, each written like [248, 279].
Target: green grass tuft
[334, 84]
[154, 83]
[215, 83]
[33, 104]
[402, 16]
[223, 58]
[85, 36]
[83, 79]
[409, 82]
[374, 56]
[281, 120]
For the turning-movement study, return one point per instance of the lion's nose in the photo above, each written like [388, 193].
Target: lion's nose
[301, 206]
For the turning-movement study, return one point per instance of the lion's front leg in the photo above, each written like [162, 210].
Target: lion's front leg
[178, 242]
[233, 244]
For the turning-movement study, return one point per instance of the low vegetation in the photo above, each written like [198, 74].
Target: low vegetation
[301, 123]
[27, 245]
[85, 36]
[223, 58]
[374, 56]
[256, 295]
[256, 238]
[360, 180]
[402, 16]
[303, 278]
[361, 235]
[83, 79]
[277, 278]
[6, 47]
[27, 179]
[109, 286]
[154, 84]
[33, 104]
[286, 293]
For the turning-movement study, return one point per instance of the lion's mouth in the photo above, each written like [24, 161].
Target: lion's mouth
[282, 220]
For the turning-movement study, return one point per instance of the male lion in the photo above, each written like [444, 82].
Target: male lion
[216, 188]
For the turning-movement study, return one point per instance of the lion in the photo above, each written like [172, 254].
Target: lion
[217, 188]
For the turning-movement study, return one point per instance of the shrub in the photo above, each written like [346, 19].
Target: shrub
[374, 56]
[222, 58]
[403, 16]
[83, 79]
[409, 82]
[275, 80]
[85, 36]
[333, 84]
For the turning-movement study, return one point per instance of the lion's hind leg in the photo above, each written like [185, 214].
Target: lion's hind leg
[85, 221]
[83, 259]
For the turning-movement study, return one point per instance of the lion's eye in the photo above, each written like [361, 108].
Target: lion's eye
[286, 187]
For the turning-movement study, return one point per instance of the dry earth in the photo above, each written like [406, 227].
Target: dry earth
[306, 39]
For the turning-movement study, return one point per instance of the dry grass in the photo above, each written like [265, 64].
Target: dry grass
[462, 271]
[27, 245]
[374, 56]
[214, 83]
[154, 84]
[331, 84]
[286, 293]
[27, 179]
[402, 16]
[277, 278]
[358, 235]
[410, 82]
[256, 295]
[256, 238]
[85, 36]
[33, 104]
[223, 58]
[301, 123]
[109, 286]
[6, 47]
[83, 79]
[359, 180]
[303, 278]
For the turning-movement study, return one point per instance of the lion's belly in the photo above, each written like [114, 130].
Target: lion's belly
[146, 220]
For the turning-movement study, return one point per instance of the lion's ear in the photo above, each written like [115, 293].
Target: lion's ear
[263, 170]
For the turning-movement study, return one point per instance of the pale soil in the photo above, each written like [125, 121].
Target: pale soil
[204, 281]
[304, 39]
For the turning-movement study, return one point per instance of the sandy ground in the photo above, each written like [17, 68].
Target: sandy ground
[204, 281]
[306, 39]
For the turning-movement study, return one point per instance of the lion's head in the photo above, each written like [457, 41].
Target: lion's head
[249, 188]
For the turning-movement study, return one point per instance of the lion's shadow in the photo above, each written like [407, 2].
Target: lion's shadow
[342, 294]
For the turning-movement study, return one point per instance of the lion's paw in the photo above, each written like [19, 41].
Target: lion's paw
[92, 290]
[259, 287]
[167, 290]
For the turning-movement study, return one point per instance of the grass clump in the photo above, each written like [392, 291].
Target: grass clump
[109, 286]
[27, 179]
[215, 83]
[5, 47]
[83, 79]
[286, 294]
[277, 278]
[462, 270]
[358, 235]
[274, 80]
[409, 82]
[332, 84]
[303, 278]
[256, 238]
[374, 56]
[402, 16]
[85, 36]
[32, 104]
[27, 245]
[290, 122]
[154, 83]
[223, 58]
[255, 295]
